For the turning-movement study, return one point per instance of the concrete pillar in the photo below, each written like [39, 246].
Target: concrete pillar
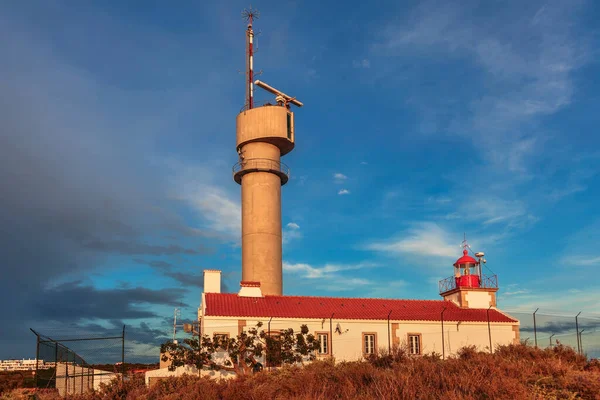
[261, 222]
[264, 134]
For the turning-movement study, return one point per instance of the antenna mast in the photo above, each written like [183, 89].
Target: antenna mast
[249, 15]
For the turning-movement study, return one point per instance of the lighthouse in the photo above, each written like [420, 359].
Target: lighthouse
[469, 287]
[264, 134]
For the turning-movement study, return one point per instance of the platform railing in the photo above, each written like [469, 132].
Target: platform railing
[487, 281]
[260, 164]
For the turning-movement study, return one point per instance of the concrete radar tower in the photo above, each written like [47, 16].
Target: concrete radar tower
[264, 134]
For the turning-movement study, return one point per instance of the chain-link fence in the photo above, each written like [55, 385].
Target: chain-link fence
[60, 362]
[579, 331]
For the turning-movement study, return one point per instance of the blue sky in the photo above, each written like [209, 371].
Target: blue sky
[422, 121]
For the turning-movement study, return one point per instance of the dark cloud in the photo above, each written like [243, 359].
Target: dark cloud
[558, 327]
[184, 278]
[132, 248]
[142, 341]
[74, 301]
[72, 194]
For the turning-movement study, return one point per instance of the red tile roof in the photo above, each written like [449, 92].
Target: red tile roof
[231, 305]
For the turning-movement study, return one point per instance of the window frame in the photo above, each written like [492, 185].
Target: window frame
[420, 344]
[363, 343]
[226, 334]
[274, 335]
[327, 343]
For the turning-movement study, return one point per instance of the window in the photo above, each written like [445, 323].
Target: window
[323, 339]
[222, 340]
[369, 343]
[289, 125]
[273, 349]
[414, 343]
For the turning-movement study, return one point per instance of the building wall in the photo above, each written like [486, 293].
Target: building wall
[478, 299]
[349, 344]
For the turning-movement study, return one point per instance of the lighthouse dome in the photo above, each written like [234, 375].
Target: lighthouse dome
[465, 259]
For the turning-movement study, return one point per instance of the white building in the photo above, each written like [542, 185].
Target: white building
[23, 365]
[352, 328]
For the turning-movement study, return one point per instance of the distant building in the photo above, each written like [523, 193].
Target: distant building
[23, 365]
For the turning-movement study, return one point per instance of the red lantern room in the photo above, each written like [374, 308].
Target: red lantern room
[467, 271]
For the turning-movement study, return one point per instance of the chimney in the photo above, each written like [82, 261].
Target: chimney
[250, 289]
[212, 281]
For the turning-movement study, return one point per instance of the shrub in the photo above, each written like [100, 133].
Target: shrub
[512, 372]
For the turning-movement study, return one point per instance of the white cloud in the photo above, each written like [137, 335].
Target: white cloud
[344, 191]
[525, 79]
[339, 177]
[364, 63]
[334, 273]
[364, 163]
[570, 302]
[219, 209]
[326, 271]
[439, 199]
[583, 261]
[293, 225]
[291, 232]
[493, 210]
[426, 239]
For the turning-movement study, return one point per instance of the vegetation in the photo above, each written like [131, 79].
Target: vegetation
[512, 372]
[15, 379]
[287, 347]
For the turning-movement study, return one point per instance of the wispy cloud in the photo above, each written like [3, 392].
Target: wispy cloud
[343, 192]
[341, 274]
[424, 239]
[364, 63]
[338, 177]
[583, 261]
[325, 271]
[525, 79]
[569, 301]
[291, 232]
[495, 210]
[220, 210]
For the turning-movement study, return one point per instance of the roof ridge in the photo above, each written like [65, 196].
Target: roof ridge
[341, 298]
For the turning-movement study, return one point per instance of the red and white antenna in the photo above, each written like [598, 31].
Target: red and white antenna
[249, 15]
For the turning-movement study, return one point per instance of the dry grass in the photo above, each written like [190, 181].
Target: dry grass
[513, 372]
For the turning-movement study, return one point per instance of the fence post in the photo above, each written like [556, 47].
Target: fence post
[443, 345]
[331, 333]
[389, 337]
[535, 328]
[123, 356]
[489, 329]
[37, 358]
[67, 376]
[577, 332]
[55, 362]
